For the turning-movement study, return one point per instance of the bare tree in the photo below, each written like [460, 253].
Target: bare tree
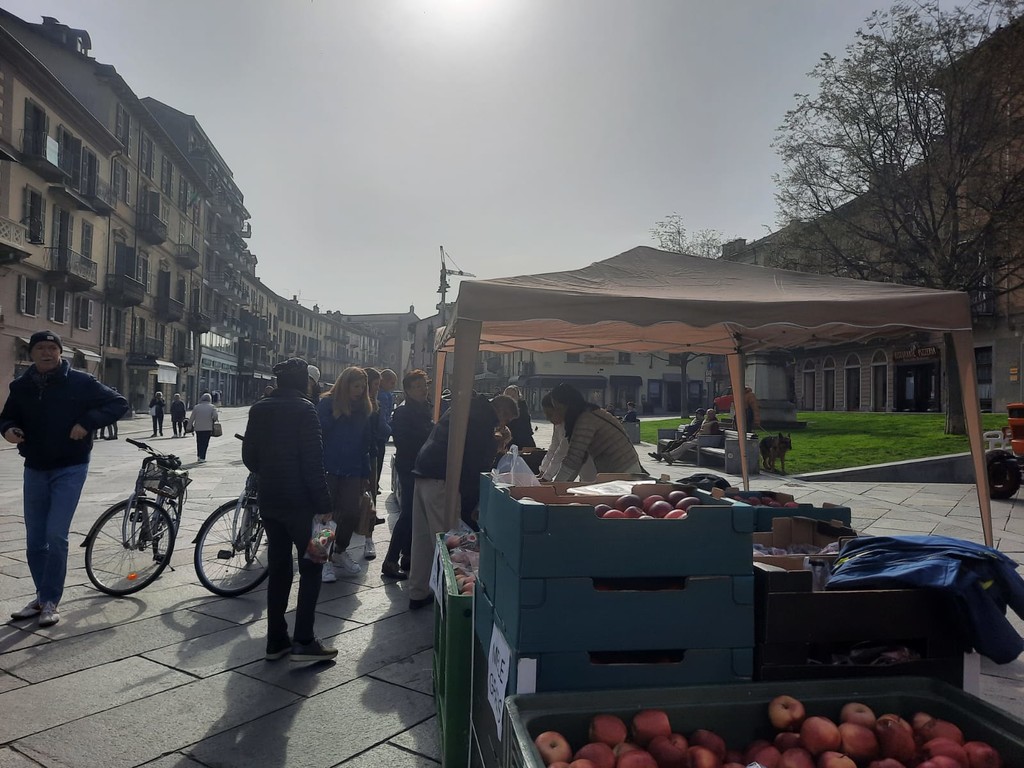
[672, 235]
[907, 164]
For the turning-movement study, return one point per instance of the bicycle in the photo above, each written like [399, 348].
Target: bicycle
[230, 550]
[131, 543]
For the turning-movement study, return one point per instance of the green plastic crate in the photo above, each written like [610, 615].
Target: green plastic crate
[591, 669]
[452, 664]
[562, 540]
[739, 713]
[619, 614]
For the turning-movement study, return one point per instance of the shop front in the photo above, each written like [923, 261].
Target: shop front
[917, 379]
[535, 387]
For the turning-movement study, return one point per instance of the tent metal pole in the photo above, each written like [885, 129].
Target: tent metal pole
[963, 348]
[737, 366]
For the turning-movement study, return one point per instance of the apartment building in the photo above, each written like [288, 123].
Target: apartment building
[396, 331]
[153, 280]
[55, 206]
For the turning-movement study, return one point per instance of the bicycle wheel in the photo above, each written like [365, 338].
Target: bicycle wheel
[128, 549]
[231, 551]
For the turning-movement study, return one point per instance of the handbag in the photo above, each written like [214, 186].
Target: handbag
[218, 430]
[367, 514]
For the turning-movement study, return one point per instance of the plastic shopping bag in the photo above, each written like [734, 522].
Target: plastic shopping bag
[513, 470]
[321, 541]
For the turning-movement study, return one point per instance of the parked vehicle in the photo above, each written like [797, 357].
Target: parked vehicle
[1004, 464]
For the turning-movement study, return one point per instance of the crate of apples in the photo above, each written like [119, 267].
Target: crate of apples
[655, 507]
[858, 738]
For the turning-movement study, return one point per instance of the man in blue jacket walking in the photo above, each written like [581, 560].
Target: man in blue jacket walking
[51, 414]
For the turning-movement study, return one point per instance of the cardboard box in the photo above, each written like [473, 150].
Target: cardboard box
[791, 531]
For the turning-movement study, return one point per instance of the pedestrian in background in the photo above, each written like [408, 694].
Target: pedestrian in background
[201, 422]
[411, 424]
[344, 414]
[521, 426]
[282, 445]
[51, 414]
[386, 403]
[178, 415]
[156, 410]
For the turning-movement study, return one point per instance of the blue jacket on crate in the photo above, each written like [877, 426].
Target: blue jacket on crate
[981, 580]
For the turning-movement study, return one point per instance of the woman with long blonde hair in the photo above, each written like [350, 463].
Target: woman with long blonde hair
[345, 413]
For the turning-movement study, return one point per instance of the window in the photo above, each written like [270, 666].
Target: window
[146, 155]
[115, 327]
[123, 128]
[983, 370]
[572, 357]
[60, 306]
[143, 270]
[90, 172]
[83, 313]
[184, 194]
[30, 296]
[166, 176]
[625, 358]
[34, 215]
[86, 239]
[119, 181]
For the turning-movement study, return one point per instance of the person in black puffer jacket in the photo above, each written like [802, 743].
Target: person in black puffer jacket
[283, 446]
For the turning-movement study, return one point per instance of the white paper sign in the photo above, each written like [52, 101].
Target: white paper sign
[498, 660]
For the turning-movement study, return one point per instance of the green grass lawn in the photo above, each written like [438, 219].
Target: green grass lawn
[835, 440]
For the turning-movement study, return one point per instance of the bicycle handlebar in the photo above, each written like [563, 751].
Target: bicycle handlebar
[137, 444]
[150, 450]
[240, 437]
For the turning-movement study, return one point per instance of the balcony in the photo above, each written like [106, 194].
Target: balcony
[246, 230]
[229, 288]
[13, 242]
[100, 197]
[145, 352]
[198, 322]
[124, 291]
[225, 325]
[151, 228]
[69, 269]
[220, 205]
[184, 358]
[41, 153]
[187, 256]
[169, 310]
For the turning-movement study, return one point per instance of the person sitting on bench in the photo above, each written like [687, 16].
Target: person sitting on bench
[683, 434]
[709, 427]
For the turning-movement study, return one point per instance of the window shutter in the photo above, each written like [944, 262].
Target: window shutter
[53, 304]
[26, 205]
[71, 232]
[67, 307]
[39, 297]
[88, 315]
[22, 291]
[42, 216]
[55, 229]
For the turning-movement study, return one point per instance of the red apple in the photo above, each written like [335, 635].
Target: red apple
[702, 757]
[676, 514]
[855, 712]
[553, 747]
[895, 738]
[668, 754]
[767, 755]
[835, 760]
[582, 763]
[886, 762]
[597, 752]
[795, 758]
[945, 747]
[937, 729]
[634, 512]
[649, 723]
[709, 739]
[600, 509]
[787, 740]
[675, 497]
[791, 504]
[559, 764]
[629, 500]
[608, 729]
[858, 741]
[786, 713]
[659, 509]
[636, 758]
[982, 755]
[652, 499]
[687, 502]
[613, 514]
[624, 747]
[819, 734]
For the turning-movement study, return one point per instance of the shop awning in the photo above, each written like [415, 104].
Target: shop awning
[264, 376]
[625, 381]
[166, 372]
[87, 354]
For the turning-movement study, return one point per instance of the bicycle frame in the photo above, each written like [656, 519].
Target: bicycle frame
[174, 503]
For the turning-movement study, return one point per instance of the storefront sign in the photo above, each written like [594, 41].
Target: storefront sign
[916, 353]
[498, 660]
[598, 358]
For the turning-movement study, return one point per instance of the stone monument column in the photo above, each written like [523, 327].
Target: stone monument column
[767, 375]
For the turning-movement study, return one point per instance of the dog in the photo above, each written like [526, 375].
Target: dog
[773, 449]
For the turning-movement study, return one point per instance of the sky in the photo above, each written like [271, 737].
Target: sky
[524, 136]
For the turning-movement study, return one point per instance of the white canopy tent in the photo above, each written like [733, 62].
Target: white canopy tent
[646, 300]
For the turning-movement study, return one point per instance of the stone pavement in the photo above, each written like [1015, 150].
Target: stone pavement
[173, 676]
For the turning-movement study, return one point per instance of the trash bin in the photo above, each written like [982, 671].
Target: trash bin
[633, 430]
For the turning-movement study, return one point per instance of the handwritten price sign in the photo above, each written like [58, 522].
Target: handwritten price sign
[498, 659]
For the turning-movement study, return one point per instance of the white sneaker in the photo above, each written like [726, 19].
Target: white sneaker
[328, 576]
[369, 550]
[347, 564]
[49, 615]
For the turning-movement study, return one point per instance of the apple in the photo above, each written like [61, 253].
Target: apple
[659, 509]
[734, 765]
[613, 514]
[858, 741]
[597, 752]
[583, 763]
[676, 514]
[786, 713]
[624, 747]
[687, 502]
[787, 740]
[629, 500]
[634, 512]
[559, 764]
[652, 499]
[895, 738]
[935, 729]
[711, 740]
[733, 756]
[982, 755]
[553, 747]
[669, 754]
[649, 723]
[702, 757]
[855, 712]
[674, 497]
[886, 762]
[819, 734]
[795, 758]
[791, 504]
[647, 517]
[944, 747]
[607, 729]
[766, 755]
[636, 758]
[835, 760]
[601, 509]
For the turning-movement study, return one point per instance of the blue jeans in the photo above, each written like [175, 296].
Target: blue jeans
[51, 497]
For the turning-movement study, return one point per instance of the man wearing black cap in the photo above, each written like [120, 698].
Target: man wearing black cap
[284, 447]
[51, 414]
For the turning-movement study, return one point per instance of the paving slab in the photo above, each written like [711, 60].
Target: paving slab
[388, 756]
[366, 605]
[11, 759]
[10, 682]
[38, 707]
[252, 606]
[39, 663]
[415, 672]
[18, 634]
[321, 731]
[158, 725]
[177, 760]
[423, 739]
